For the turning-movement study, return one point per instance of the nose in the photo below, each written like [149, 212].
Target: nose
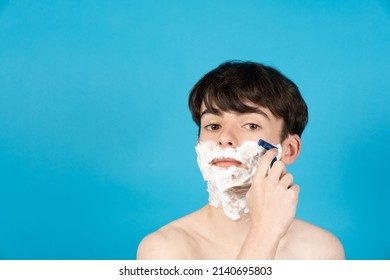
[227, 138]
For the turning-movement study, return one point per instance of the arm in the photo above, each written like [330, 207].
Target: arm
[272, 202]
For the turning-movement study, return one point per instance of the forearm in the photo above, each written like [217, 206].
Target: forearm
[259, 245]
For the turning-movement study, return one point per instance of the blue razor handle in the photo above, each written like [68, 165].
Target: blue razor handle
[267, 146]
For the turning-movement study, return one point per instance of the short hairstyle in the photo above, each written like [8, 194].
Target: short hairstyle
[233, 84]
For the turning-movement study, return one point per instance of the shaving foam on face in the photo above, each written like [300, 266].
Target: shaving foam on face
[227, 186]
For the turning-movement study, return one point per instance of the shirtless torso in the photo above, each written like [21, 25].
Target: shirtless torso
[197, 236]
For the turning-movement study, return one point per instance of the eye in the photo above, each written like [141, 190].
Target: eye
[212, 126]
[252, 126]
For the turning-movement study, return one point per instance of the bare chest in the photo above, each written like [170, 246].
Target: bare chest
[217, 250]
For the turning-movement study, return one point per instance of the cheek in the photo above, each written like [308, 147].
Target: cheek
[265, 135]
[254, 136]
[205, 135]
[200, 136]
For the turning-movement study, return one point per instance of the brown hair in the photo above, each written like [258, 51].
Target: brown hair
[233, 84]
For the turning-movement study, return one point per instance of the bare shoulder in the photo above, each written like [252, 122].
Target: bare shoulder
[165, 243]
[171, 242]
[312, 242]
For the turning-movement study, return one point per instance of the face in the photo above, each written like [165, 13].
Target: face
[231, 129]
[229, 172]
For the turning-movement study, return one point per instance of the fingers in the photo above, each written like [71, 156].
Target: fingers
[294, 189]
[274, 174]
[277, 175]
[277, 172]
[287, 181]
[265, 163]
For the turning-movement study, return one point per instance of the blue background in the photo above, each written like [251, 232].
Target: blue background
[97, 143]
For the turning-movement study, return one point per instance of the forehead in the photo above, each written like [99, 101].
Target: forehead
[251, 108]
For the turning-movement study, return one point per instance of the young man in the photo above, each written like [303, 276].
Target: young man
[252, 198]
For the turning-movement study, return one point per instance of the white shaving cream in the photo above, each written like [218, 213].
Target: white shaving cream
[228, 186]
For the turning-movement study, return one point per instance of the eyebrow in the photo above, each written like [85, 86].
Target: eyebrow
[253, 110]
[214, 112]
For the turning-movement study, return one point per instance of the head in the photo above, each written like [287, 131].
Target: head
[236, 86]
[244, 87]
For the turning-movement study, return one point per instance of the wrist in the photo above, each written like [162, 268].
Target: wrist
[259, 244]
[270, 231]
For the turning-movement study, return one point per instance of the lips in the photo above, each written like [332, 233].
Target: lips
[226, 162]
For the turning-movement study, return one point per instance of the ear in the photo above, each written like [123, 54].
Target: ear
[291, 148]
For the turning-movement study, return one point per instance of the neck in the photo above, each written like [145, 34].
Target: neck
[225, 228]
